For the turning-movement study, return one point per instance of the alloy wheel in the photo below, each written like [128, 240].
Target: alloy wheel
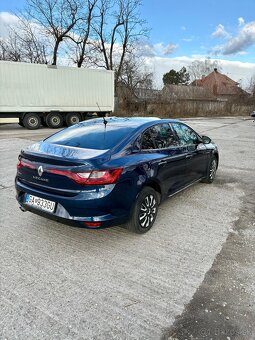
[213, 169]
[148, 211]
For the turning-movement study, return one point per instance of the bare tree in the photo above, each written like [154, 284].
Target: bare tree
[56, 17]
[33, 43]
[10, 48]
[251, 86]
[82, 32]
[199, 68]
[117, 29]
[25, 42]
[134, 75]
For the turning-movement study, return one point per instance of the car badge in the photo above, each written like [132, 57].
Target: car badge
[40, 170]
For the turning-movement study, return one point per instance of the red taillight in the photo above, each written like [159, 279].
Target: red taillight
[95, 177]
[19, 165]
[22, 163]
[104, 177]
[74, 176]
[92, 224]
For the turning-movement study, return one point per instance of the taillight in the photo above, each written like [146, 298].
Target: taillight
[22, 163]
[95, 177]
[104, 177]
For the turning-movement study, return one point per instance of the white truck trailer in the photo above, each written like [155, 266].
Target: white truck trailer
[53, 95]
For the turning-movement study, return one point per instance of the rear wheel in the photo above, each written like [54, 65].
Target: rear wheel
[144, 212]
[211, 172]
[32, 121]
[54, 120]
[72, 118]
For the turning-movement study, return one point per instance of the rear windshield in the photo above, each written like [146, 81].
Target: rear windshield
[91, 136]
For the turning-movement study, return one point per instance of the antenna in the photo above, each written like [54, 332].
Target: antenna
[105, 121]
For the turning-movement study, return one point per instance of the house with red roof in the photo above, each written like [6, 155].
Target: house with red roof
[220, 85]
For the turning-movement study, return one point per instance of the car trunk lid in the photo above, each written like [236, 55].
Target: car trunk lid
[43, 165]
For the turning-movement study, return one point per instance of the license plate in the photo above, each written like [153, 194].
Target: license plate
[40, 203]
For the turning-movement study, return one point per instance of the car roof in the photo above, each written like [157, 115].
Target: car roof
[133, 122]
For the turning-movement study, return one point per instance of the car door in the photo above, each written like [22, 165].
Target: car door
[169, 162]
[197, 154]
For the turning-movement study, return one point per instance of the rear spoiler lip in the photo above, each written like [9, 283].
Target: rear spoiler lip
[66, 153]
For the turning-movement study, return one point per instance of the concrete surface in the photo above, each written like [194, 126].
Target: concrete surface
[190, 276]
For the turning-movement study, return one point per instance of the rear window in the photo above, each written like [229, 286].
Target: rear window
[91, 136]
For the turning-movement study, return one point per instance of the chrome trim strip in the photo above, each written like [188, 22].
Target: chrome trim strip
[187, 186]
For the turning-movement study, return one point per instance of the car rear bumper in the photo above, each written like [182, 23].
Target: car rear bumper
[73, 211]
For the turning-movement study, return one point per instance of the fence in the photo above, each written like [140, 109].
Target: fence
[187, 108]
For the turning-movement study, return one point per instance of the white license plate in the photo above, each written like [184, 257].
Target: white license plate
[40, 203]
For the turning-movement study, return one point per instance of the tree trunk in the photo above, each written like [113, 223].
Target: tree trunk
[55, 52]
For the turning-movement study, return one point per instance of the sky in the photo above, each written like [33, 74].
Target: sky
[182, 31]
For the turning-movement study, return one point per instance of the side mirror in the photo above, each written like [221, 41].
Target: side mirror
[206, 140]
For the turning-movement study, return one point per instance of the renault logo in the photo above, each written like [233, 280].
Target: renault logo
[40, 170]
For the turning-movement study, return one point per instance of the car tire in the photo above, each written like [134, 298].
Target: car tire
[54, 120]
[211, 171]
[73, 118]
[32, 121]
[144, 211]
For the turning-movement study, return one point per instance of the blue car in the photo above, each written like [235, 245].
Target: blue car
[111, 171]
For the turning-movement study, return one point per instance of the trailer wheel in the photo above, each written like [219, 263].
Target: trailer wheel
[32, 121]
[73, 118]
[54, 120]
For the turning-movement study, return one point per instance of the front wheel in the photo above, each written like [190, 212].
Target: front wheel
[211, 172]
[144, 212]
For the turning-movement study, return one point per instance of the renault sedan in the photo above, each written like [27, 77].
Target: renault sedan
[112, 171]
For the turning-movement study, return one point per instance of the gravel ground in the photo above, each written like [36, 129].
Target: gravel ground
[60, 282]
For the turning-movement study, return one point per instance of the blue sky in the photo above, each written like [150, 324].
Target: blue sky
[185, 30]
[189, 24]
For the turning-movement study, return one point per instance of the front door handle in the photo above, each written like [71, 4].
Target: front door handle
[162, 162]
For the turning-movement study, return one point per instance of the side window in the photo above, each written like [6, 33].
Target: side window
[159, 136]
[185, 134]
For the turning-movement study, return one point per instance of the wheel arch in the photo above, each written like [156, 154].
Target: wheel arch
[216, 155]
[152, 183]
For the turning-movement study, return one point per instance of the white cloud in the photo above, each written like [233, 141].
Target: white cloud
[159, 49]
[243, 40]
[187, 39]
[146, 49]
[220, 32]
[169, 49]
[6, 20]
[237, 70]
[241, 21]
